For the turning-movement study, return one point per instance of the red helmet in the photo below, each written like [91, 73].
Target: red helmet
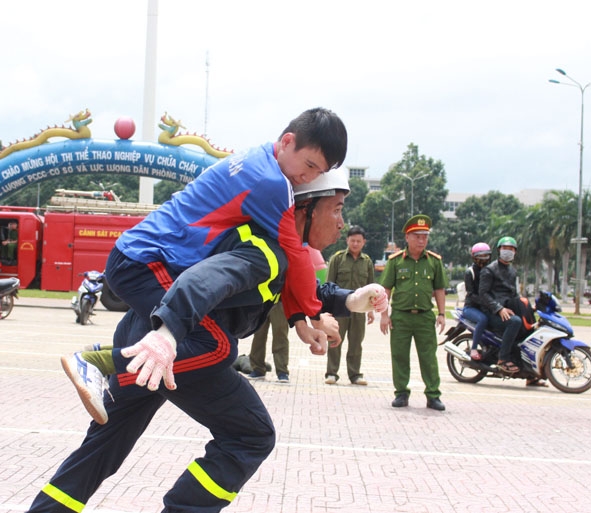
[481, 253]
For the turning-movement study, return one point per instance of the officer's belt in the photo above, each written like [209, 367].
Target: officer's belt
[413, 311]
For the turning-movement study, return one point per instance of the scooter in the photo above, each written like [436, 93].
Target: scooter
[549, 352]
[89, 293]
[8, 292]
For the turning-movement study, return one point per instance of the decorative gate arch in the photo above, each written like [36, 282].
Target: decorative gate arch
[35, 160]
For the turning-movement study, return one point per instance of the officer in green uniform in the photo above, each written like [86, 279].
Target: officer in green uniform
[412, 277]
[350, 269]
[279, 325]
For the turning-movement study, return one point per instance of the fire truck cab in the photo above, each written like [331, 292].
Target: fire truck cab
[26, 261]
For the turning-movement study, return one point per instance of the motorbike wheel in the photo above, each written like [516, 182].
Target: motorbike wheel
[110, 301]
[85, 308]
[574, 379]
[457, 367]
[7, 302]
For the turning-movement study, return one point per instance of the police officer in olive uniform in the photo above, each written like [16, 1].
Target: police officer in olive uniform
[413, 276]
[350, 268]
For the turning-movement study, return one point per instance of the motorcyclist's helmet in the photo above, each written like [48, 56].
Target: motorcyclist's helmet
[327, 184]
[481, 253]
[507, 241]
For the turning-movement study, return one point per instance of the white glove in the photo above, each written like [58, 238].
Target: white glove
[381, 301]
[368, 298]
[155, 354]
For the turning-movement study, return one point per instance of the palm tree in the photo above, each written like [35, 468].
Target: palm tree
[560, 209]
[536, 245]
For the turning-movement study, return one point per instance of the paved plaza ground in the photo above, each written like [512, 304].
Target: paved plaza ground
[499, 448]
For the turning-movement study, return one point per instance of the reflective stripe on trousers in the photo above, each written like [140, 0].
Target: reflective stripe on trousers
[63, 498]
[209, 484]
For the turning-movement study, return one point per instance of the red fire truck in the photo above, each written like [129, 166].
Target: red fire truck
[75, 233]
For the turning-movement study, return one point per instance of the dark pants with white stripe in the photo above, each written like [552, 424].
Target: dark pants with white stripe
[215, 395]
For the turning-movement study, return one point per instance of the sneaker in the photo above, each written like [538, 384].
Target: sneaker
[256, 375]
[359, 381]
[90, 385]
[283, 377]
[330, 380]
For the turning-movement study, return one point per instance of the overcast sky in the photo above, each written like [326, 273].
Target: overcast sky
[467, 81]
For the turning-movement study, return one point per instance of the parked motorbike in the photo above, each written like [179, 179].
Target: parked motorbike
[549, 352]
[89, 293]
[8, 292]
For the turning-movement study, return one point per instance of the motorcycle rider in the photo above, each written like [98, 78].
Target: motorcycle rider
[474, 309]
[498, 286]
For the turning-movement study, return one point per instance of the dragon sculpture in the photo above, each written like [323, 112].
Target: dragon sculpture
[79, 121]
[169, 135]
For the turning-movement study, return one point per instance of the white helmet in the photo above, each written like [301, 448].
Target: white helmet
[327, 184]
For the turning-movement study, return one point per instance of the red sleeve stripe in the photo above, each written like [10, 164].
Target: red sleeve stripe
[220, 353]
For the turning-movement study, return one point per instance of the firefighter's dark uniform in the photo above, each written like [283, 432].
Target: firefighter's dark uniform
[412, 283]
[208, 307]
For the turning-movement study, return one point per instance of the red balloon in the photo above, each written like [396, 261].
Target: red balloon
[124, 127]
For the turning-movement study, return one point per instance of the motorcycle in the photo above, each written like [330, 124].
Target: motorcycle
[8, 292]
[548, 352]
[89, 293]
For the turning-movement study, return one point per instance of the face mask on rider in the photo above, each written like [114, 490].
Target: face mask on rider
[507, 255]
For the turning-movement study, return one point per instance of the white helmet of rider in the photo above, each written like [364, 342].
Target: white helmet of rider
[327, 184]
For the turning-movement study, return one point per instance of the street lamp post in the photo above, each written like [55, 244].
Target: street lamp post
[412, 189]
[579, 240]
[401, 198]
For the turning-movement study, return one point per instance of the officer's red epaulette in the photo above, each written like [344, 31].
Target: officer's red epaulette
[394, 255]
[434, 254]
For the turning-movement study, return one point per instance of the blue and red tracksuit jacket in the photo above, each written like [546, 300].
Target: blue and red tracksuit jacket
[244, 187]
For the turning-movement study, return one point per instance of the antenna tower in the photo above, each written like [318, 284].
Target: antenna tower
[206, 92]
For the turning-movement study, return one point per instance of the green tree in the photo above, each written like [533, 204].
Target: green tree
[559, 220]
[427, 192]
[534, 247]
[453, 238]
[445, 240]
[359, 190]
[372, 212]
[375, 213]
[164, 189]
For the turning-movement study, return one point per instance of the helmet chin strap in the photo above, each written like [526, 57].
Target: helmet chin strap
[309, 209]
